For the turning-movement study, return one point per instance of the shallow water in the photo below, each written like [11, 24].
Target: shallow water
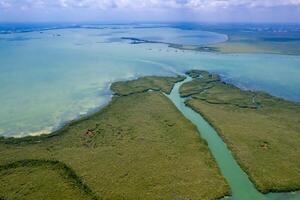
[48, 78]
[240, 185]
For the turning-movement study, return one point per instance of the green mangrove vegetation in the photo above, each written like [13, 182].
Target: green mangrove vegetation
[42, 179]
[261, 130]
[156, 83]
[137, 147]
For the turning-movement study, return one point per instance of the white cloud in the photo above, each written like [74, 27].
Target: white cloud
[152, 10]
[147, 4]
[216, 4]
[107, 4]
[4, 5]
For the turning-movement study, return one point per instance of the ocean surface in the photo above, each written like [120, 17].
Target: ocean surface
[51, 74]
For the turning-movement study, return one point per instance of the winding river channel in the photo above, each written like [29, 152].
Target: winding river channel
[241, 187]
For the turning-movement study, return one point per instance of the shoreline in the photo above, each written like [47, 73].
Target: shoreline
[79, 117]
[189, 97]
[102, 134]
[41, 138]
[51, 130]
[55, 165]
[56, 131]
[245, 169]
[60, 125]
[110, 94]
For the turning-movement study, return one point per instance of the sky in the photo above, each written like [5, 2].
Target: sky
[287, 11]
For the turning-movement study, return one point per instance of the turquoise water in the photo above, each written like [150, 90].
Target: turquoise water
[48, 78]
[240, 185]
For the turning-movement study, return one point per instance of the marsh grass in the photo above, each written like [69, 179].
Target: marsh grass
[71, 182]
[262, 131]
[137, 147]
[156, 83]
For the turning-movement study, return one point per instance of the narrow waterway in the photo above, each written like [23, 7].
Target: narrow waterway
[241, 187]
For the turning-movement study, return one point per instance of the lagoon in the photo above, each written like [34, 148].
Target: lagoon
[50, 77]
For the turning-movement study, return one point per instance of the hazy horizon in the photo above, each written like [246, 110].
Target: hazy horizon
[123, 11]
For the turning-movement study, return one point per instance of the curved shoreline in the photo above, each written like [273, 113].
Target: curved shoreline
[268, 191]
[68, 172]
[167, 127]
[79, 117]
[245, 169]
[38, 139]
